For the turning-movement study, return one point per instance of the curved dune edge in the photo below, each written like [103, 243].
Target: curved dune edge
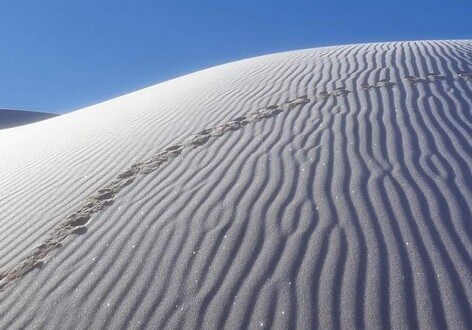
[75, 223]
[350, 211]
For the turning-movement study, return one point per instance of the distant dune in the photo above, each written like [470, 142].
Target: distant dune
[324, 188]
[12, 118]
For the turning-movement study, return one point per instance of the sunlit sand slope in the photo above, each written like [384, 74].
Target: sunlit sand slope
[324, 188]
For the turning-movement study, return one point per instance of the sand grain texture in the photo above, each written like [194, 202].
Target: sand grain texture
[323, 188]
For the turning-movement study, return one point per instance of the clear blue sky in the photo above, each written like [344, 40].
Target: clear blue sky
[61, 55]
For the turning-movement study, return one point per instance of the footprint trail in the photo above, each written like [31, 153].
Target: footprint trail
[75, 223]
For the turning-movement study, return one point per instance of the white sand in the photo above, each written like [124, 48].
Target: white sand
[327, 188]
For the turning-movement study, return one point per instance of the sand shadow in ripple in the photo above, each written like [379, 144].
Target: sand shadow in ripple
[75, 223]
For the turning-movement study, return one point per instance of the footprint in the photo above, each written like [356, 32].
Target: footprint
[82, 230]
[199, 140]
[152, 164]
[413, 80]
[39, 250]
[267, 113]
[367, 87]
[243, 120]
[301, 100]
[146, 169]
[255, 117]
[232, 126]
[93, 205]
[154, 161]
[384, 83]
[201, 137]
[162, 157]
[287, 107]
[78, 219]
[129, 173]
[174, 150]
[466, 75]
[119, 183]
[38, 264]
[104, 194]
[218, 131]
[340, 91]
[205, 132]
[322, 95]
[379, 84]
[435, 77]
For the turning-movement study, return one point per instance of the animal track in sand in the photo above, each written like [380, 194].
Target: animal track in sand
[75, 223]
[382, 83]
[466, 75]
[430, 77]
[339, 91]
[435, 77]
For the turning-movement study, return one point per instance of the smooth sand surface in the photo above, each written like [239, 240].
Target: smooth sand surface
[12, 118]
[324, 188]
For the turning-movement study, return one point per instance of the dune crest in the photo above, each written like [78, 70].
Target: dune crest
[327, 188]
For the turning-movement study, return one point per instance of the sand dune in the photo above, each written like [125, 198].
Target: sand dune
[321, 188]
[13, 118]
